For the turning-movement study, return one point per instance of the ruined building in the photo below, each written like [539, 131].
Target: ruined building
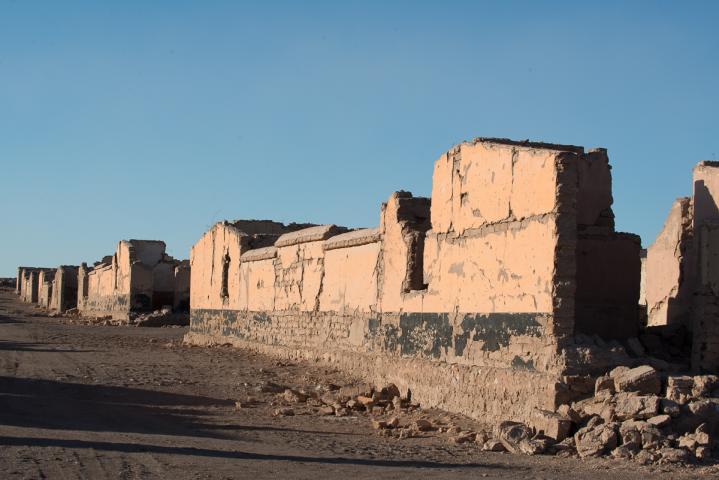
[64, 289]
[45, 281]
[28, 283]
[682, 270]
[497, 298]
[140, 277]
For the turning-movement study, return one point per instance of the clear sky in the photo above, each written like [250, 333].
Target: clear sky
[153, 119]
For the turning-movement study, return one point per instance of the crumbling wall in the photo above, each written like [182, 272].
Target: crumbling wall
[138, 278]
[64, 288]
[29, 283]
[670, 268]
[182, 287]
[45, 280]
[215, 261]
[351, 272]
[468, 300]
[705, 321]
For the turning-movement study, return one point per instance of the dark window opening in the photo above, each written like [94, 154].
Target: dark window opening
[224, 292]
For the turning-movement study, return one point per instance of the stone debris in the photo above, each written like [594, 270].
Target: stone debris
[633, 425]
[284, 412]
[637, 423]
[643, 379]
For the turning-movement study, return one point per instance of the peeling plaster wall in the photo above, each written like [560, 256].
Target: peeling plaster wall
[480, 283]
[351, 275]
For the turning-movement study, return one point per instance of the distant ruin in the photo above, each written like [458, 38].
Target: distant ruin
[486, 300]
[29, 283]
[139, 278]
[64, 289]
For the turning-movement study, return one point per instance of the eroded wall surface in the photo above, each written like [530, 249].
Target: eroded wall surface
[682, 270]
[670, 268]
[138, 278]
[45, 281]
[64, 288]
[469, 300]
[29, 283]
[705, 321]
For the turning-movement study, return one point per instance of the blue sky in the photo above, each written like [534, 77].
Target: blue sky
[156, 119]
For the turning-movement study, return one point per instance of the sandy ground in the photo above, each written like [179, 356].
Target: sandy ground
[107, 402]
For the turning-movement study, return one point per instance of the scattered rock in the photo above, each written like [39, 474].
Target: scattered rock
[702, 453]
[605, 382]
[660, 420]
[422, 425]
[493, 445]
[595, 441]
[517, 438]
[283, 412]
[379, 424]
[632, 406]
[326, 410]
[643, 380]
[670, 407]
[674, 455]
[352, 391]
[704, 385]
[679, 389]
[551, 424]
[367, 402]
[293, 396]
[623, 451]
[269, 387]
[464, 437]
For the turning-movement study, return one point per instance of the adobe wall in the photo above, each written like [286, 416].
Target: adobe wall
[29, 283]
[670, 268]
[45, 280]
[181, 301]
[64, 288]
[138, 278]
[468, 300]
[705, 322]
[682, 269]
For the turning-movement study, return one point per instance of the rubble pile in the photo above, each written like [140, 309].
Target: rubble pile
[635, 413]
[345, 401]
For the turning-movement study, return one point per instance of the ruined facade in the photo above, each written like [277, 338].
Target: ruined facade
[64, 289]
[139, 277]
[28, 283]
[45, 282]
[479, 301]
[682, 269]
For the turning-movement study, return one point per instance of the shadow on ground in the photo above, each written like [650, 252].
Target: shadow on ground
[36, 403]
[235, 454]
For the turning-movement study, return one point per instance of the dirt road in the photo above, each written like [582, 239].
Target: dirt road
[104, 402]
